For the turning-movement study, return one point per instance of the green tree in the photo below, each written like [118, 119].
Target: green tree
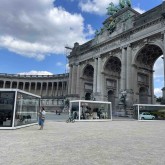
[159, 99]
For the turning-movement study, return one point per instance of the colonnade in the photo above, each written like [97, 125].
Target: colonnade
[44, 88]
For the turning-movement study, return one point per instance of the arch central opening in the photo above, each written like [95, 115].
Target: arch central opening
[146, 59]
[88, 82]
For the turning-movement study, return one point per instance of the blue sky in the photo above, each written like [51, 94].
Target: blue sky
[33, 34]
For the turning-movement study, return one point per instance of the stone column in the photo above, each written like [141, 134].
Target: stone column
[152, 89]
[70, 80]
[134, 83]
[78, 79]
[73, 85]
[163, 89]
[99, 75]
[24, 86]
[95, 77]
[4, 83]
[11, 84]
[30, 86]
[66, 87]
[52, 89]
[62, 90]
[129, 65]
[17, 84]
[123, 73]
[57, 89]
[35, 90]
[47, 84]
[41, 89]
[129, 78]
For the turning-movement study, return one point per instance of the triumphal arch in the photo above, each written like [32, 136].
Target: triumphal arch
[118, 62]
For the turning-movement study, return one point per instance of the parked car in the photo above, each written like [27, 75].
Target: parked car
[146, 115]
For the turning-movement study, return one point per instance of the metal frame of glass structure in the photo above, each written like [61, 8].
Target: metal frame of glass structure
[84, 110]
[149, 112]
[18, 108]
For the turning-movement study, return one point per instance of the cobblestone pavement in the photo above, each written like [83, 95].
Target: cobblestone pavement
[85, 143]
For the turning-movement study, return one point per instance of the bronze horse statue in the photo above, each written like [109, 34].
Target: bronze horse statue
[124, 3]
[112, 9]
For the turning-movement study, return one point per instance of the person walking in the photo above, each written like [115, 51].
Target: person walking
[42, 118]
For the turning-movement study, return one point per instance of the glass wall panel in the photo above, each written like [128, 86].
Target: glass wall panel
[6, 108]
[27, 107]
[91, 110]
[149, 112]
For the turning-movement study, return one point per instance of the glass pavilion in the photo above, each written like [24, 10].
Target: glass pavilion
[18, 108]
[143, 112]
[83, 110]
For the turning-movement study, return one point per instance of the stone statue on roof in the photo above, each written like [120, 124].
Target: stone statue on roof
[111, 27]
[128, 2]
[97, 33]
[112, 9]
[124, 3]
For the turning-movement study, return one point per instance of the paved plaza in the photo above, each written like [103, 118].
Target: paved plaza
[85, 143]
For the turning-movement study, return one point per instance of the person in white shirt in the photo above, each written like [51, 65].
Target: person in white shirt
[42, 118]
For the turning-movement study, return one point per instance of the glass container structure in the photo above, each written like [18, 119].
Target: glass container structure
[18, 108]
[83, 110]
[147, 112]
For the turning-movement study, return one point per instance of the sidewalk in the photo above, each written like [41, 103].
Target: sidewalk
[85, 143]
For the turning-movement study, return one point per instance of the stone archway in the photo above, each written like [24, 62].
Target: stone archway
[148, 55]
[145, 60]
[112, 71]
[88, 71]
[87, 83]
[113, 66]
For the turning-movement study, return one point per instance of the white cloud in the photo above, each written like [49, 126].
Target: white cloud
[138, 9]
[158, 77]
[96, 6]
[99, 6]
[33, 72]
[91, 31]
[159, 68]
[36, 28]
[159, 80]
[158, 92]
[67, 68]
